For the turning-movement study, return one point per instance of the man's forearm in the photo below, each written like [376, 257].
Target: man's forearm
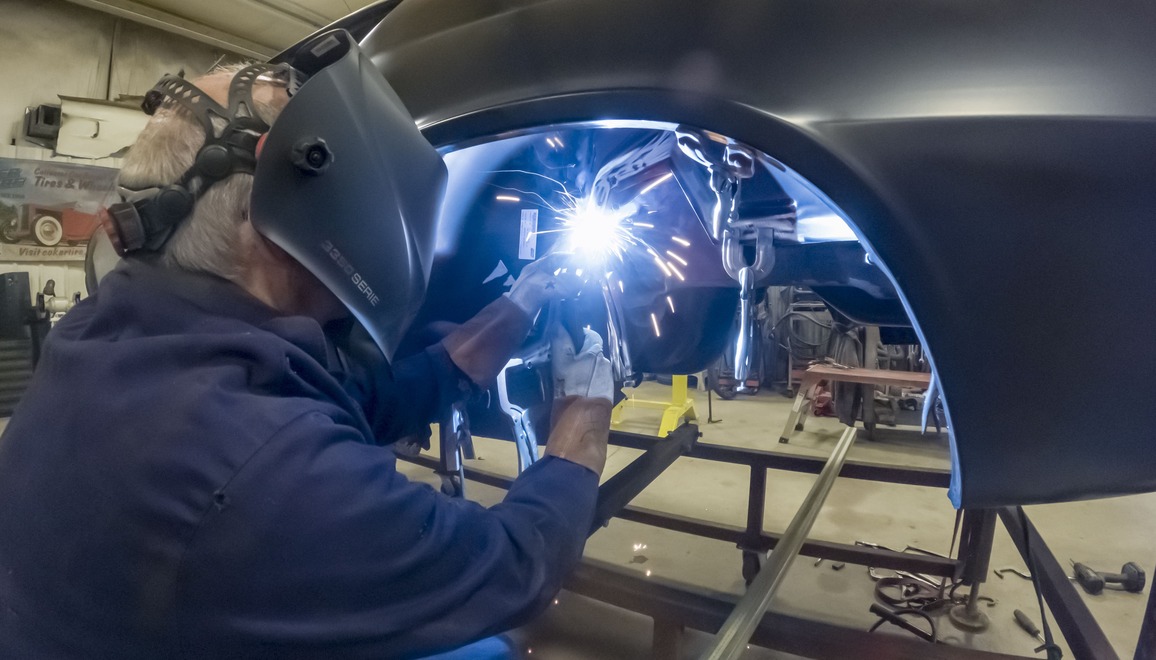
[404, 398]
[482, 346]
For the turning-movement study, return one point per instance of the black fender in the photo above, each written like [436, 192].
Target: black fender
[997, 158]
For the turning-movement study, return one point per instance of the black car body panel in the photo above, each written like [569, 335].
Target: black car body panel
[997, 157]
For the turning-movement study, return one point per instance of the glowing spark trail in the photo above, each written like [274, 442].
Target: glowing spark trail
[680, 240]
[654, 321]
[677, 258]
[661, 264]
[670, 303]
[508, 198]
[655, 183]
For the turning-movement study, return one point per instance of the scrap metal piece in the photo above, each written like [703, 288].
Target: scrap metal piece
[1011, 569]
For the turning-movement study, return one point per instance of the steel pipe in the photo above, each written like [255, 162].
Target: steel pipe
[732, 638]
[627, 483]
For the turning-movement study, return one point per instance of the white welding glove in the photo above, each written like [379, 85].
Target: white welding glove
[584, 372]
[583, 391]
[547, 279]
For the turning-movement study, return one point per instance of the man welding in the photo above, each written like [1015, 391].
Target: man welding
[196, 469]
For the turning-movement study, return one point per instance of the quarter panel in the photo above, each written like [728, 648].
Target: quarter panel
[997, 157]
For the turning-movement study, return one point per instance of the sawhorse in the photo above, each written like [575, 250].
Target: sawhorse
[820, 372]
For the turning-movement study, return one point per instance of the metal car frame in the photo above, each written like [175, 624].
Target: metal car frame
[675, 607]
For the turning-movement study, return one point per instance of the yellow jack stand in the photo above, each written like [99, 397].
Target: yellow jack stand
[679, 407]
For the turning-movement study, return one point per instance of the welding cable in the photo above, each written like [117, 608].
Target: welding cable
[951, 591]
[1053, 650]
[792, 337]
[911, 594]
[895, 617]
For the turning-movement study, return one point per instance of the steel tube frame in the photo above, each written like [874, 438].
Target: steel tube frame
[979, 535]
[706, 610]
[740, 625]
[753, 539]
[766, 541]
[1146, 644]
[763, 542]
[909, 476]
[1081, 631]
[821, 640]
[756, 509]
[620, 489]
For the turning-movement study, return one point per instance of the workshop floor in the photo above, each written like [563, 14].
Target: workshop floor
[1103, 533]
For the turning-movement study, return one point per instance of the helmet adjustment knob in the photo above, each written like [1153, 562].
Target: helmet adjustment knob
[311, 155]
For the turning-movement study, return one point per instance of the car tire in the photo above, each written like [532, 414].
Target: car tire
[47, 230]
[9, 234]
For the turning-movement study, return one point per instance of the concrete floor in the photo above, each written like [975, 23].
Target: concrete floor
[1103, 533]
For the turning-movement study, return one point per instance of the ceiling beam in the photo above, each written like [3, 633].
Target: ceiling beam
[298, 12]
[162, 20]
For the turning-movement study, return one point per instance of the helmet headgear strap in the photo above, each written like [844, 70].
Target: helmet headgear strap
[145, 219]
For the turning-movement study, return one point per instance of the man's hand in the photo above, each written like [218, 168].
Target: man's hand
[538, 284]
[481, 346]
[584, 372]
[584, 390]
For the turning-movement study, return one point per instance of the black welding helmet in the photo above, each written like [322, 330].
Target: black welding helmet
[346, 184]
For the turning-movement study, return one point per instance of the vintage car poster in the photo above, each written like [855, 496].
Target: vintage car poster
[49, 210]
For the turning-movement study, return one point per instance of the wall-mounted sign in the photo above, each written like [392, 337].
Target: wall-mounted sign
[49, 210]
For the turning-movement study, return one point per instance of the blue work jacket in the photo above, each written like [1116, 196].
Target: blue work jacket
[190, 475]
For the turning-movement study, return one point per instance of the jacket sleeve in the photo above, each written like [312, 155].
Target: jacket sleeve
[319, 547]
[406, 398]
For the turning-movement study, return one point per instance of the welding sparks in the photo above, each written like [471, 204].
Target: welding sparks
[654, 184]
[663, 265]
[670, 303]
[597, 234]
[654, 322]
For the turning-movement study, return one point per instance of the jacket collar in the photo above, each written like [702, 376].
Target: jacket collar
[220, 297]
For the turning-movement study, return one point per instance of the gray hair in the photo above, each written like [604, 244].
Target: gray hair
[209, 239]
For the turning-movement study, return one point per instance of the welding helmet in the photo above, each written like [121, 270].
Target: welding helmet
[343, 182]
[346, 184]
